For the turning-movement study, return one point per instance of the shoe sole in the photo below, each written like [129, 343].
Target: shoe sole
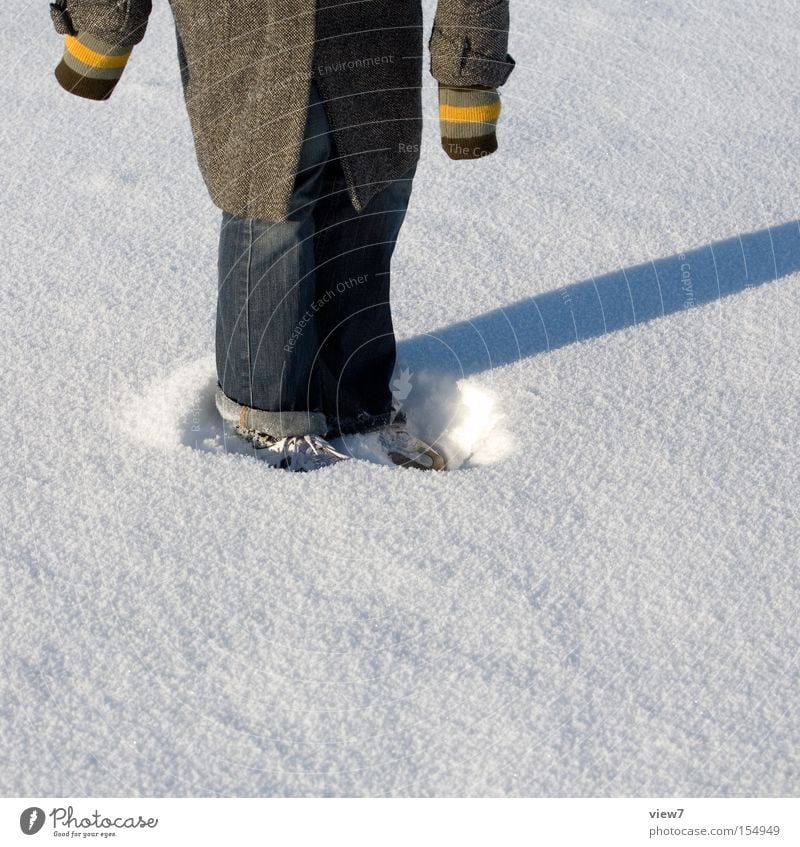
[406, 462]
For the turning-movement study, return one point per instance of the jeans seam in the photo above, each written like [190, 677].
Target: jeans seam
[247, 308]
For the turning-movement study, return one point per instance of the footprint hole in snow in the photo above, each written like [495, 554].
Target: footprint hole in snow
[459, 417]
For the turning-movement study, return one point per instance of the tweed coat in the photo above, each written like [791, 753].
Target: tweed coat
[246, 66]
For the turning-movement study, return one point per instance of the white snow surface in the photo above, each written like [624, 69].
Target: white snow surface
[601, 324]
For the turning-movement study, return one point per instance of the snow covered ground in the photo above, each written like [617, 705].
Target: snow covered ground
[601, 600]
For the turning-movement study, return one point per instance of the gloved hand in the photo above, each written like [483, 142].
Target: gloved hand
[468, 121]
[99, 36]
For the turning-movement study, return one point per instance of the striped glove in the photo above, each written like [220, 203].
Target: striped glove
[97, 44]
[468, 120]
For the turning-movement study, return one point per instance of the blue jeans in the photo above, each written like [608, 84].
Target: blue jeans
[304, 336]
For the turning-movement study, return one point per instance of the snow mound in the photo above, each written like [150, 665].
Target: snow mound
[174, 410]
[459, 416]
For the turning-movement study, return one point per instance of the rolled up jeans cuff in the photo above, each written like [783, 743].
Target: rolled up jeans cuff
[274, 424]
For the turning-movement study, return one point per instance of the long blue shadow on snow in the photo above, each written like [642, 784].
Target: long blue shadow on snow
[613, 301]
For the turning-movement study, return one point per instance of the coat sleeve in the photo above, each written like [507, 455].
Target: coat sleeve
[469, 43]
[98, 37]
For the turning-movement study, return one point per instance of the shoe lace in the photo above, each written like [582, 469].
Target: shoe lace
[299, 442]
[313, 444]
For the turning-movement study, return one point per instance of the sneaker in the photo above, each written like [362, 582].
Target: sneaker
[407, 450]
[296, 453]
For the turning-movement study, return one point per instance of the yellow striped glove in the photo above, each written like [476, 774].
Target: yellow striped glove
[468, 121]
[97, 44]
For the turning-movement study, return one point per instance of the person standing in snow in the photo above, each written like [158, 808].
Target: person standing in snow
[307, 122]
